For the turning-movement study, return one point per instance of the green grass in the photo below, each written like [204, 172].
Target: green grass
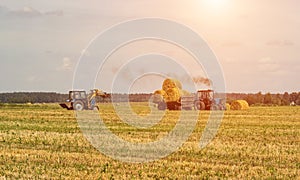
[44, 141]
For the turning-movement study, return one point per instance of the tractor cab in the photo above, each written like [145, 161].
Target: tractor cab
[205, 94]
[73, 95]
[78, 100]
[204, 99]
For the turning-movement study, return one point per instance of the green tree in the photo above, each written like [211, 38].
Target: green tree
[286, 99]
[259, 98]
[268, 98]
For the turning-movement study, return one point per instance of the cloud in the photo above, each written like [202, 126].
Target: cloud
[231, 44]
[267, 64]
[54, 13]
[265, 60]
[231, 60]
[25, 12]
[3, 10]
[280, 43]
[28, 12]
[32, 79]
[66, 64]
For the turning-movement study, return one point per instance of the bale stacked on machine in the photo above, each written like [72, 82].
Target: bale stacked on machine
[171, 93]
[159, 96]
[239, 105]
[171, 83]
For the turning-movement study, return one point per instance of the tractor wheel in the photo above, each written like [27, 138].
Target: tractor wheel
[162, 106]
[199, 105]
[214, 107]
[78, 106]
[222, 107]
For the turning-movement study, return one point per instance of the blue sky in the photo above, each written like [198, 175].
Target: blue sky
[257, 42]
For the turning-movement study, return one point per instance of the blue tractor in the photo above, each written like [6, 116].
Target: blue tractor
[79, 100]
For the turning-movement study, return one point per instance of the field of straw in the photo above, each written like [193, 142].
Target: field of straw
[44, 141]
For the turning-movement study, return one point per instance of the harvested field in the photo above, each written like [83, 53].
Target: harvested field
[44, 141]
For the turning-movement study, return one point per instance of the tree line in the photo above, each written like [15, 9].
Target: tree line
[267, 98]
[52, 97]
[32, 97]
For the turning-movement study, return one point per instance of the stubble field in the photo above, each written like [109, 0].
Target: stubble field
[45, 141]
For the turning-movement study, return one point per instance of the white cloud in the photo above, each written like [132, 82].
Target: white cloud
[66, 64]
[267, 64]
[231, 60]
[28, 11]
[32, 79]
[54, 13]
[265, 60]
[280, 43]
[3, 9]
[231, 44]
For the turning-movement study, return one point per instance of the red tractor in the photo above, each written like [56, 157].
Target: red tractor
[205, 101]
[202, 100]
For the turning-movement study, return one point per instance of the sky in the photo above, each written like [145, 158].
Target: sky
[256, 42]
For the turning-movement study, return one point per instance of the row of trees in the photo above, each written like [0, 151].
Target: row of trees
[267, 99]
[32, 97]
[51, 97]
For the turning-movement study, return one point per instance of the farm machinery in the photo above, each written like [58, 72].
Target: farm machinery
[79, 100]
[205, 101]
[202, 100]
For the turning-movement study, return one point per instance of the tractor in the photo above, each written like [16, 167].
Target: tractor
[205, 101]
[202, 100]
[79, 100]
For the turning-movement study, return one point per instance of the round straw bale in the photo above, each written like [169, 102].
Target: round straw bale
[159, 96]
[239, 105]
[173, 94]
[160, 92]
[167, 84]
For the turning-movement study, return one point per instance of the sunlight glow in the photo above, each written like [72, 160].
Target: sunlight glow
[215, 4]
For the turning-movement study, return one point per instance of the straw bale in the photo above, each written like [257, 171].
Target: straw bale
[239, 105]
[227, 105]
[167, 84]
[173, 94]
